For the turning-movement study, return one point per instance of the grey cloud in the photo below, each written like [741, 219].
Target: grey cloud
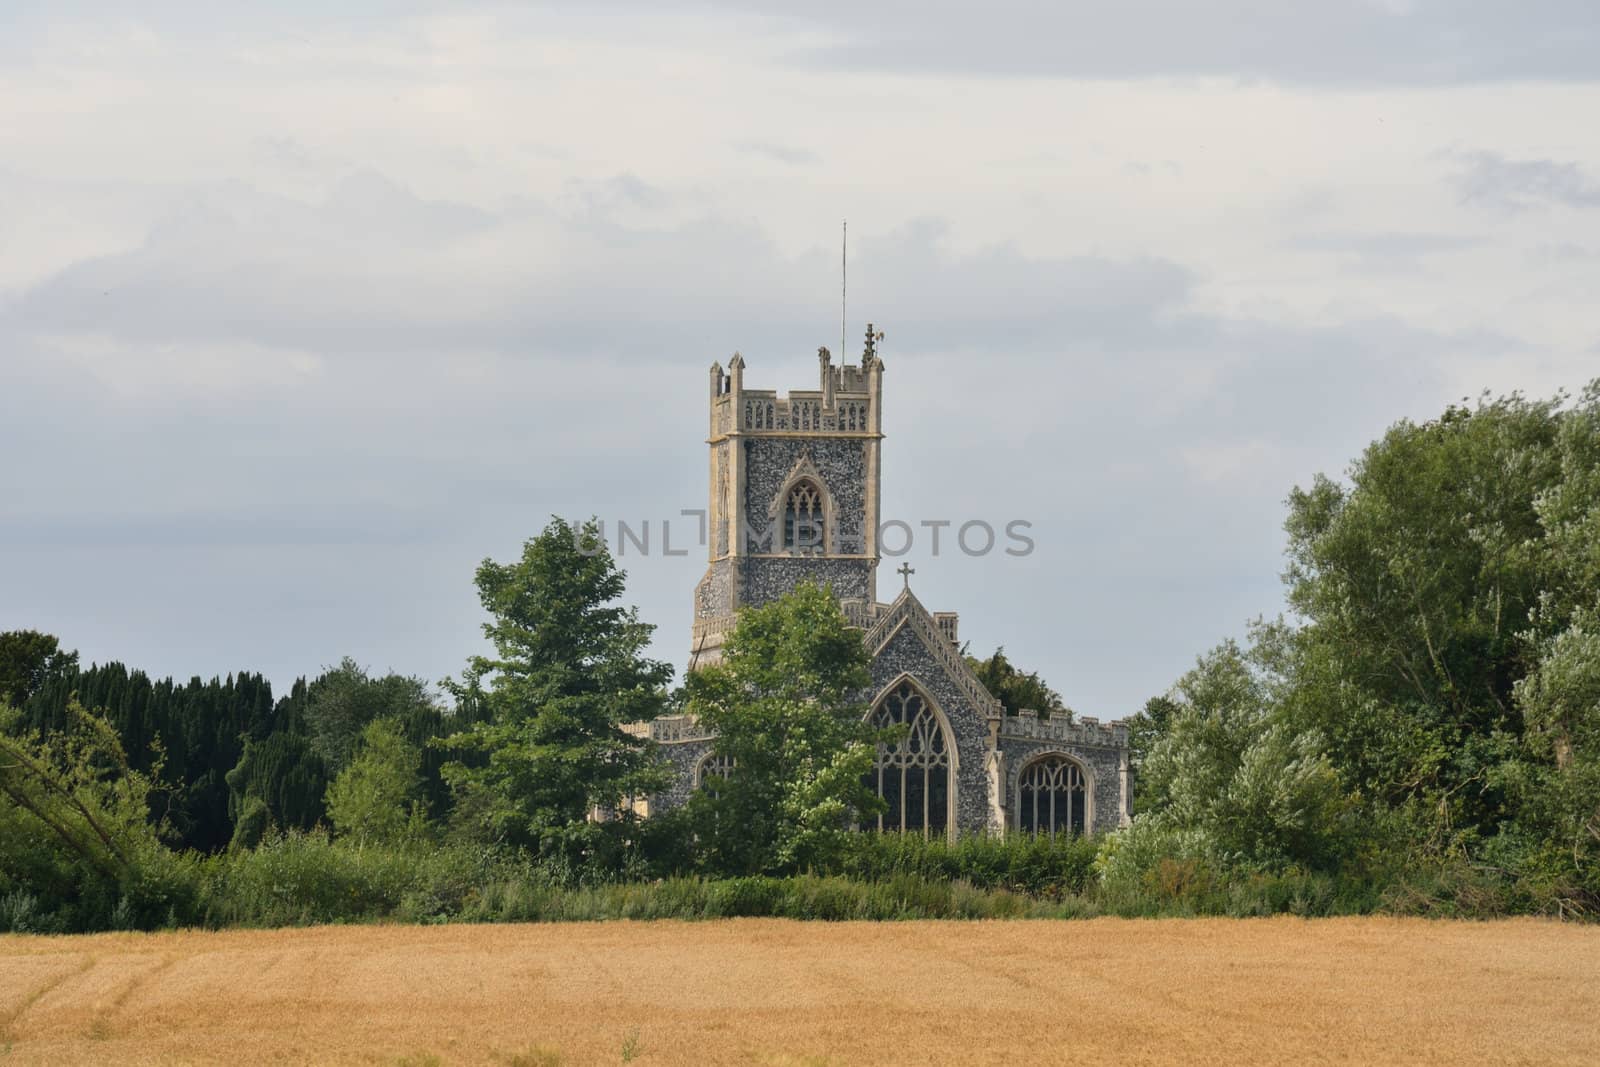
[1316, 42]
[1383, 251]
[1299, 42]
[484, 369]
[794, 157]
[374, 269]
[1519, 184]
[1564, 252]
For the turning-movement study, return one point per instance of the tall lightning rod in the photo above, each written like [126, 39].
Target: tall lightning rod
[844, 279]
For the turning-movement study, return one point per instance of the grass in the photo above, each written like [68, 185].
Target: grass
[1345, 990]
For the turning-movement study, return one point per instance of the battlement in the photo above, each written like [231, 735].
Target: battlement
[669, 729]
[1085, 730]
[845, 403]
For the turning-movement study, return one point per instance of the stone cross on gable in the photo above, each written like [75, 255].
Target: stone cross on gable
[906, 571]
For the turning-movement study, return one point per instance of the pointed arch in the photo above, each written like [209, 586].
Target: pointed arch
[916, 776]
[710, 769]
[803, 511]
[1054, 794]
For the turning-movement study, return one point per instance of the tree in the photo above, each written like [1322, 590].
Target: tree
[1416, 583]
[346, 698]
[198, 729]
[75, 828]
[785, 704]
[1017, 689]
[279, 780]
[1231, 781]
[568, 671]
[1147, 726]
[375, 798]
[28, 659]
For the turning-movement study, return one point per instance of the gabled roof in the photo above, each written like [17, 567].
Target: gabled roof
[907, 613]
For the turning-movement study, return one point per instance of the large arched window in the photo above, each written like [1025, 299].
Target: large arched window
[803, 519]
[1050, 797]
[913, 774]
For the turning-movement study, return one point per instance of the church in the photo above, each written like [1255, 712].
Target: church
[794, 496]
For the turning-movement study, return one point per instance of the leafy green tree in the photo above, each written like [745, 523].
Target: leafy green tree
[198, 730]
[1230, 781]
[283, 777]
[1416, 582]
[75, 828]
[1017, 689]
[1145, 728]
[345, 699]
[569, 670]
[28, 659]
[1554, 843]
[1569, 513]
[374, 800]
[786, 706]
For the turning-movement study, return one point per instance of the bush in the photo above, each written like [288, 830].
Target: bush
[297, 878]
[1037, 866]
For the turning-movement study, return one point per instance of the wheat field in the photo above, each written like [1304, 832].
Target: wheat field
[779, 992]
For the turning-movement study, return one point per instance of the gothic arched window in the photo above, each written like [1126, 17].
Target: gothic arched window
[1051, 797]
[913, 774]
[803, 519]
[711, 770]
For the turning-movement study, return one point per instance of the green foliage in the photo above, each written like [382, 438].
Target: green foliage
[1416, 582]
[374, 799]
[297, 878]
[278, 779]
[28, 659]
[784, 705]
[568, 672]
[1230, 783]
[344, 700]
[250, 824]
[1036, 865]
[1015, 689]
[1557, 836]
[77, 847]
[1145, 728]
[1447, 658]
[814, 897]
[196, 732]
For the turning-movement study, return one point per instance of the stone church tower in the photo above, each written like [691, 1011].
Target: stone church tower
[794, 491]
[795, 496]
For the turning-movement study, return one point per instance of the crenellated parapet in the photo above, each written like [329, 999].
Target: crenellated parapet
[1084, 731]
[807, 412]
[846, 403]
[669, 730]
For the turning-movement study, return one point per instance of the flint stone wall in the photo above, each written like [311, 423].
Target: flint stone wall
[1103, 765]
[905, 653]
[842, 463]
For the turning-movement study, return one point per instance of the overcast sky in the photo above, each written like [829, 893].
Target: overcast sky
[303, 315]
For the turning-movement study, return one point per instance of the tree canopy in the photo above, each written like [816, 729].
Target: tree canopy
[786, 705]
[568, 671]
[1017, 689]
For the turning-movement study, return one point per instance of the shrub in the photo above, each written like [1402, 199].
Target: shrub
[1038, 866]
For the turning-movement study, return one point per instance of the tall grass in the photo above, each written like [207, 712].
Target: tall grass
[1038, 866]
[299, 879]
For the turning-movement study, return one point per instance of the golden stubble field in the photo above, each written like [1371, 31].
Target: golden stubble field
[776, 992]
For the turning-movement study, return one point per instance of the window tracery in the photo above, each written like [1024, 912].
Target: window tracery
[913, 774]
[1051, 797]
